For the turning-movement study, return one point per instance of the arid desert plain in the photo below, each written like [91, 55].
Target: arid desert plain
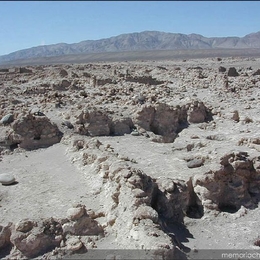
[130, 160]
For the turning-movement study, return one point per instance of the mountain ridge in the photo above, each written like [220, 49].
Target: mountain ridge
[138, 41]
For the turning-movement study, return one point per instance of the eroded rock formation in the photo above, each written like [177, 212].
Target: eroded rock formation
[235, 184]
[34, 131]
[31, 238]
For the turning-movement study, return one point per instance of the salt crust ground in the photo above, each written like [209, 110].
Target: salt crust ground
[48, 183]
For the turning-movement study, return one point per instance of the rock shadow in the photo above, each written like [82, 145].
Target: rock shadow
[5, 251]
[11, 184]
[177, 231]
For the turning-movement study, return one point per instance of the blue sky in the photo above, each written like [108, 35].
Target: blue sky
[27, 24]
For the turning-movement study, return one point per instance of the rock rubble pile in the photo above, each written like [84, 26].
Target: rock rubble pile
[200, 117]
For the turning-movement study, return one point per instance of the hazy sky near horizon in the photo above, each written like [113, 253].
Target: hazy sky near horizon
[26, 24]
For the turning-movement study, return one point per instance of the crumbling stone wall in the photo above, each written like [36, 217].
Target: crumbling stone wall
[31, 238]
[236, 183]
[167, 121]
[164, 122]
[34, 131]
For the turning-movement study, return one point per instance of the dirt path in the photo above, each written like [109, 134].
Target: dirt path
[48, 184]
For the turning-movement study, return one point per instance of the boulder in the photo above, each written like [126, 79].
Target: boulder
[75, 213]
[35, 131]
[32, 242]
[82, 226]
[162, 120]
[144, 117]
[166, 121]
[73, 243]
[222, 69]
[5, 137]
[195, 163]
[197, 112]
[257, 72]
[7, 178]
[232, 72]
[94, 122]
[63, 73]
[25, 225]
[7, 119]
[234, 184]
[146, 212]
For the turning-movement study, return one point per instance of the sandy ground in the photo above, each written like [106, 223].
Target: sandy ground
[47, 185]
[49, 182]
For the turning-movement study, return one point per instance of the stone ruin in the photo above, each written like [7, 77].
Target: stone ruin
[32, 238]
[161, 121]
[137, 208]
[30, 131]
[235, 184]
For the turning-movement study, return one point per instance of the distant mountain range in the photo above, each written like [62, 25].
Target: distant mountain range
[143, 41]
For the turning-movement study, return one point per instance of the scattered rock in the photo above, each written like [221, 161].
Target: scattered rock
[76, 213]
[68, 124]
[5, 234]
[7, 119]
[142, 102]
[7, 178]
[135, 133]
[235, 116]
[222, 69]
[35, 131]
[63, 73]
[25, 225]
[232, 72]
[257, 72]
[73, 244]
[198, 113]
[146, 212]
[195, 163]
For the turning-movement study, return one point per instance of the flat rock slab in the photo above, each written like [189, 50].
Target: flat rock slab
[195, 163]
[7, 179]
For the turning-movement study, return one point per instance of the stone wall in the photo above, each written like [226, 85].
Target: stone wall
[34, 131]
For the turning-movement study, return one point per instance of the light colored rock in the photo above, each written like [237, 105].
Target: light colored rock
[73, 244]
[135, 133]
[92, 173]
[82, 227]
[146, 212]
[75, 213]
[96, 123]
[195, 163]
[166, 184]
[7, 178]
[37, 240]
[32, 132]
